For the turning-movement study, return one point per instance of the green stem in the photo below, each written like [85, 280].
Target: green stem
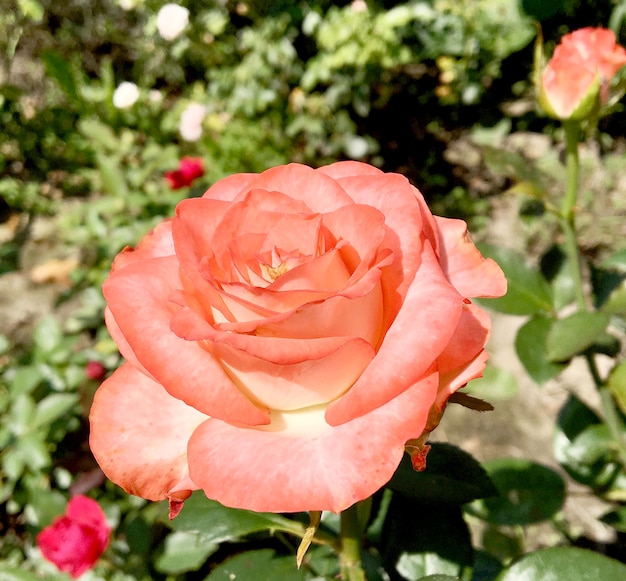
[350, 554]
[572, 129]
[609, 410]
[613, 421]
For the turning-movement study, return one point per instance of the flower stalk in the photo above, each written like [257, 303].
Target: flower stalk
[350, 553]
[567, 218]
[572, 129]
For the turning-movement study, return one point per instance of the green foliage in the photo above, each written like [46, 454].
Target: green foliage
[528, 493]
[564, 562]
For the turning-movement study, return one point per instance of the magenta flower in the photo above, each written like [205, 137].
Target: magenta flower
[75, 541]
[189, 168]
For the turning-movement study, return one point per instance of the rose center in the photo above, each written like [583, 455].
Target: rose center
[273, 272]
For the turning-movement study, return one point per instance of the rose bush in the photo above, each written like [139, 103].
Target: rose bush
[285, 335]
[581, 69]
[76, 540]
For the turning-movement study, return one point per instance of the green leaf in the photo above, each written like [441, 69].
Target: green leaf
[495, 384]
[530, 344]
[617, 384]
[615, 303]
[572, 335]
[13, 463]
[438, 577]
[616, 261]
[112, 175]
[34, 451]
[102, 136]
[452, 476]
[183, 552]
[58, 68]
[217, 523]
[529, 293]
[573, 421]
[5, 344]
[24, 380]
[47, 334]
[420, 539]
[52, 407]
[486, 566]
[564, 563]
[529, 493]
[616, 519]
[255, 565]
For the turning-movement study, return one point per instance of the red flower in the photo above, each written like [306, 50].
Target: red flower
[581, 69]
[75, 541]
[285, 335]
[95, 370]
[188, 170]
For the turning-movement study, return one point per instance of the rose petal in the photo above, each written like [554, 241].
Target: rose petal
[396, 199]
[295, 385]
[319, 192]
[342, 169]
[464, 357]
[289, 471]
[139, 434]
[308, 371]
[228, 188]
[422, 329]
[466, 268]
[138, 299]
[156, 243]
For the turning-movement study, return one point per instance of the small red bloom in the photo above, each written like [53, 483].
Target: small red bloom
[189, 168]
[75, 541]
[95, 370]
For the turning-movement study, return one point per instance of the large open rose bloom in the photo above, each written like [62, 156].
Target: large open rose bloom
[285, 335]
[581, 68]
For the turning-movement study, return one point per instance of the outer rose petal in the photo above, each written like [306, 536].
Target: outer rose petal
[464, 357]
[139, 435]
[342, 169]
[465, 267]
[230, 187]
[138, 298]
[156, 243]
[319, 192]
[290, 472]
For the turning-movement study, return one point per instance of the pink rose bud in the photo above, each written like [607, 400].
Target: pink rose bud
[285, 336]
[188, 170]
[75, 541]
[577, 79]
[95, 370]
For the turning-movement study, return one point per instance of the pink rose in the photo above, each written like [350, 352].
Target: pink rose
[75, 541]
[582, 67]
[285, 335]
[189, 168]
